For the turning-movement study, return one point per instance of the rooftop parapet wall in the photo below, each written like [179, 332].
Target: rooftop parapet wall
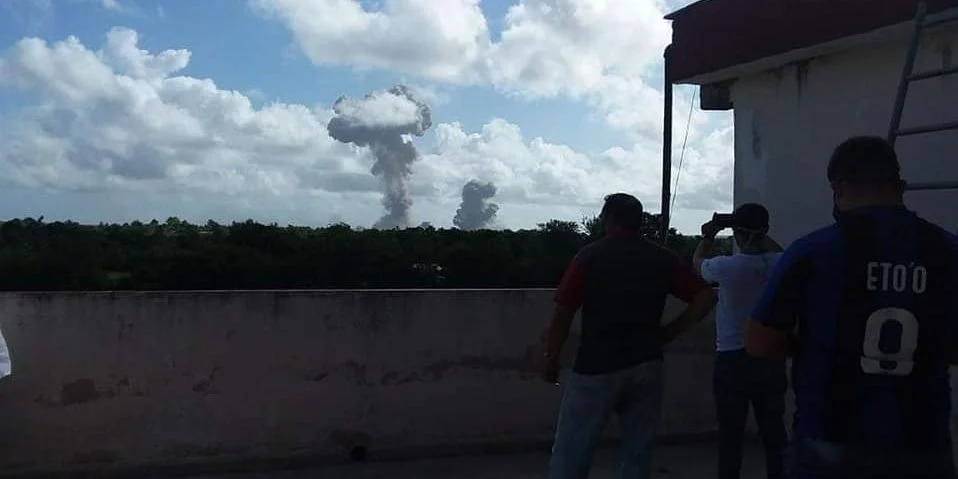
[114, 380]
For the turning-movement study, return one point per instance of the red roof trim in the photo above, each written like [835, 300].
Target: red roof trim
[712, 35]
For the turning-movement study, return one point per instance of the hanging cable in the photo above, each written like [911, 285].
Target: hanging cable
[685, 141]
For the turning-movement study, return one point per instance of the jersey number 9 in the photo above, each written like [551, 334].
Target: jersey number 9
[897, 363]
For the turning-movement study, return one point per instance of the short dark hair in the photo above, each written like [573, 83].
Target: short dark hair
[750, 216]
[864, 160]
[623, 210]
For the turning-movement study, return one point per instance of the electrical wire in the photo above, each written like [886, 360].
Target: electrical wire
[678, 173]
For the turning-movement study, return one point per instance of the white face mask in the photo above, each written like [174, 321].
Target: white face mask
[752, 235]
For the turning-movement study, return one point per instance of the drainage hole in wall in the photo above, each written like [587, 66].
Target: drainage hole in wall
[358, 454]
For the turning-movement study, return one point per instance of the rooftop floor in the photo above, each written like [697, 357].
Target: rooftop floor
[672, 462]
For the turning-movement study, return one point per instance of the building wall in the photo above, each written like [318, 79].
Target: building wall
[788, 121]
[106, 380]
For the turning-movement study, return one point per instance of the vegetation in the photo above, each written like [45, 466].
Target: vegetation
[176, 255]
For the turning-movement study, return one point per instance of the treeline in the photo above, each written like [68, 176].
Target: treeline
[175, 255]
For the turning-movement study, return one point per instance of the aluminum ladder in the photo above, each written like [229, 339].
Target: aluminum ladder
[908, 75]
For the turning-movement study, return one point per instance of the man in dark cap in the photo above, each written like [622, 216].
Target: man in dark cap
[868, 307]
[738, 379]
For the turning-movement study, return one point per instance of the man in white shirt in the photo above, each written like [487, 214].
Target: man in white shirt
[740, 380]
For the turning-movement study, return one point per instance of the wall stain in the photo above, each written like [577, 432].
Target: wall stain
[78, 392]
[410, 378]
[390, 377]
[946, 54]
[205, 386]
[357, 370]
[525, 363]
[96, 457]
[801, 77]
[756, 140]
[194, 450]
[435, 371]
[349, 438]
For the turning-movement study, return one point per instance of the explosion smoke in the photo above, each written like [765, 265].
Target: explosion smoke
[381, 121]
[476, 212]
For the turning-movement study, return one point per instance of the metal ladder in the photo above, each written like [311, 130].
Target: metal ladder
[908, 75]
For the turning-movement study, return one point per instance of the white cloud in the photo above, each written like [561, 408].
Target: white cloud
[119, 118]
[121, 121]
[439, 39]
[606, 53]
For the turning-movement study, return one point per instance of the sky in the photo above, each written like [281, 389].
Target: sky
[122, 110]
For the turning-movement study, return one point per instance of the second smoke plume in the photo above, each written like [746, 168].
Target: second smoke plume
[476, 212]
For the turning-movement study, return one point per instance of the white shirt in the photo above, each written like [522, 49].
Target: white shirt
[741, 278]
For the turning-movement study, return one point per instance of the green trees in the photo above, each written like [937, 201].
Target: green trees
[35, 255]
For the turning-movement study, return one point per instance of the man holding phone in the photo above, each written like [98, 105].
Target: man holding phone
[740, 380]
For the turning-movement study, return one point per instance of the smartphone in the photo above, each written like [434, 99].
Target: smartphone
[723, 220]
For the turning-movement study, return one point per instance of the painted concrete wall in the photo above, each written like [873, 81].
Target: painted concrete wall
[117, 379]
[788, 121]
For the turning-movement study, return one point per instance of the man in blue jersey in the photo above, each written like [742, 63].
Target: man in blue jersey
[867, 307]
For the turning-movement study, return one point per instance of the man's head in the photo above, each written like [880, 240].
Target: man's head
[621, 212]
[749, 225]
[864, 171]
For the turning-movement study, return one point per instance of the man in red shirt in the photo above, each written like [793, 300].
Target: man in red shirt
[621, 283]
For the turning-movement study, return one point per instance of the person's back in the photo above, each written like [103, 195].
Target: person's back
[743, 278]
[627, 281]
[740, 382]
[868, 308]
[872, 365]
[620, 283]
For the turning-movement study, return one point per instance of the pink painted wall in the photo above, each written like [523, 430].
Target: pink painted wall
[110, 380]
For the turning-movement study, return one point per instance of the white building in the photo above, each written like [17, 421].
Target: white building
[801, 76]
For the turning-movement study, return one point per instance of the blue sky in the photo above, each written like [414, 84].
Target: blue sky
[573, 136]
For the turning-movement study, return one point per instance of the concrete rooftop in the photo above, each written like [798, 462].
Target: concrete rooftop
[671, 462]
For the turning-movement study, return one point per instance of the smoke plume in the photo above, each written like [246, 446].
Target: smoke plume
[476, 212]
[381, 121]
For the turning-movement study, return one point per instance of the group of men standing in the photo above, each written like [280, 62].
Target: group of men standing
[866, 308]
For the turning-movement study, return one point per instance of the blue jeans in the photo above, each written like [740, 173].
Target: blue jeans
[634, 394]
[814, 459]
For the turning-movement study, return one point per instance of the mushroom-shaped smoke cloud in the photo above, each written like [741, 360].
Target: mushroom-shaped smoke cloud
[381, 121]
[476, 212]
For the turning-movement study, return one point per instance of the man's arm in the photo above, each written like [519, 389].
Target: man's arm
[568, 298]
[703, 250]
[769, 333]
[687, 286]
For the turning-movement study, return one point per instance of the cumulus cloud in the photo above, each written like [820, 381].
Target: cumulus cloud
[127, 126]
[118, 117]
[440, 39]
[607, 53]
